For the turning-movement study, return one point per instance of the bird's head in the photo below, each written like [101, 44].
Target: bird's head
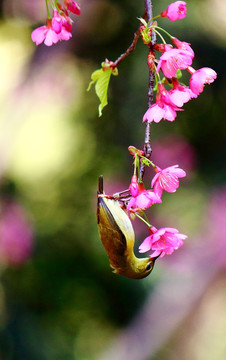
[137, 268]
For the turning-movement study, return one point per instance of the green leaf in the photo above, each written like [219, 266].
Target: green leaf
[142, 21]
[145, 161]
[101, 80]
[179, 74]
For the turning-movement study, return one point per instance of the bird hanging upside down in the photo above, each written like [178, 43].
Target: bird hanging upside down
[117, 235]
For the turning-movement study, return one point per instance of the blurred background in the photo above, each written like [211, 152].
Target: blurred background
[59, 299]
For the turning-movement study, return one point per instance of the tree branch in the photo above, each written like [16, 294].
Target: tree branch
[129, 50]
[147, 140]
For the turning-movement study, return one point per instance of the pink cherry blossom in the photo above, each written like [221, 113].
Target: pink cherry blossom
[45, 33]
[144, 199]
[159, 111]
[56, 29]
[179, 95]
[182, 45]
[66, 25]
[72, 6]
[67, 21]
[64, 34]
[134, 188]
[172, 60]
[167, 179]
[164, 108]
[162, 241]
[201, 77]
[57, 22]
[164, 95]
[175, 11]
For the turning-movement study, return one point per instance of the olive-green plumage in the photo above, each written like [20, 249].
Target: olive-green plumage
[117, 236]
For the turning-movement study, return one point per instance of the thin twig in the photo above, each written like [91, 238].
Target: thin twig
[129, 50]
[131, 47]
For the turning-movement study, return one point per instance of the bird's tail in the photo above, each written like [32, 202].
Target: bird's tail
[101, 185]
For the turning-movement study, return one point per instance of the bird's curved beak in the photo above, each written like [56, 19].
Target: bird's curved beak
[155, 258]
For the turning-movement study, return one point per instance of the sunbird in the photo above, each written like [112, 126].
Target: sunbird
[117, 235]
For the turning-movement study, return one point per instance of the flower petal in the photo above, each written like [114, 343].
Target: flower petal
[146, 245]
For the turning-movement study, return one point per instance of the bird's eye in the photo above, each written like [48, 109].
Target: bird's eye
[148, 267]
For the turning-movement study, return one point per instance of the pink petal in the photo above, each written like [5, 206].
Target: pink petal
[176, 171]
[171, 230]
[170, 114]
[174, 59]
[155, 178]
[146, 245]
[169, 183]
[157, 235]
[51, 38]
[201, 77]
[157, 253]
[39, 34]
[64, 34]
[134, 189]
[169, 68]
[143, 202]
[183, 45]
[57, 24]
[176, 10]
[158, 189]
[73, 6]
[154, 113]
[179, 98]
[131, 203]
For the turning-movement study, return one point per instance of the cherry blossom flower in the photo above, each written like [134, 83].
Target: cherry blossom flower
[65, 25]
[134, 188]
[144, 199]
[16, 235]
[159, 111]
[72, 6]
[172, 60]
[167, 179]
[201, 77]
[56, 22]
[56, 29]
[164, 108]
[182, 45]
[176, 10]
[67, 22]
[179, 95]
[162, 241]
[45, 33]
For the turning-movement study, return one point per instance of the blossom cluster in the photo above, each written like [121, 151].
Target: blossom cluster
[165, 240]
[59, 26]
[172, 61]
